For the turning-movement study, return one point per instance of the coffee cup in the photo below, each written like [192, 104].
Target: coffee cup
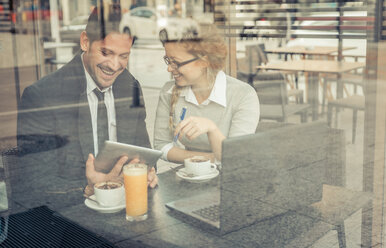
[109, 194]
[198, 165]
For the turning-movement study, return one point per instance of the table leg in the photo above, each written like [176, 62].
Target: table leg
[313, 94]
[306, 80]
[339, 90]
[339, 86]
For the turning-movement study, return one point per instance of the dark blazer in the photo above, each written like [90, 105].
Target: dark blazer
[54, 121]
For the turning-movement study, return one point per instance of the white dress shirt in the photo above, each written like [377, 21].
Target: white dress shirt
[93, 104]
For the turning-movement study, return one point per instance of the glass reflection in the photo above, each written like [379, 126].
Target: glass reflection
[39, 38]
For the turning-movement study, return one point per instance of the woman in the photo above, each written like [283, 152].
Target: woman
[218, 106]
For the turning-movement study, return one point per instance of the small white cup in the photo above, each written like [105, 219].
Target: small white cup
[109, 197]
[198, 165]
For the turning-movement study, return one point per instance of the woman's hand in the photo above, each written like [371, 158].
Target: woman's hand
[193, 126]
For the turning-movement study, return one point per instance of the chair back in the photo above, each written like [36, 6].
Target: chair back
[354, 79]
[246, 66]
[271, 92]
[243, 66]
[255, 57]
[262, 53]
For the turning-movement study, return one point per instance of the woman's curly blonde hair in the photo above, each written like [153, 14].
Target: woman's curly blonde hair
[210, 47]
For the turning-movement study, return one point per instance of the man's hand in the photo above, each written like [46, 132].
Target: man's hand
[152, 179]
[115, 174]
[94, 176]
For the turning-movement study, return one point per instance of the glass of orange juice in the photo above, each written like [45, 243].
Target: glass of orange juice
[135, 179]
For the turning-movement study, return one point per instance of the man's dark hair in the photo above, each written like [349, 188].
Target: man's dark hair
[98, 28]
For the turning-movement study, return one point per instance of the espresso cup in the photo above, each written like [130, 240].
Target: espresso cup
[109, 194]
[198, 165]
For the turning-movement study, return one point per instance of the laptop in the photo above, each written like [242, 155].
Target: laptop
[263, 175]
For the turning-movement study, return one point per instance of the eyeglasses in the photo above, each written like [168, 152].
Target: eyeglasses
[175, 65]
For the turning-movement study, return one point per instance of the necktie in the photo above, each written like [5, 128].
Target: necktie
[102, 123]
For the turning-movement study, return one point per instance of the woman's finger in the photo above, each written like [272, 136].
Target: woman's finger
[186, 128]
[179, 127]
[182, 124]
[191, 131]
[195, 134]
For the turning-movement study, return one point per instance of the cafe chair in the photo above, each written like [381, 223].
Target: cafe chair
[246, 66]
[274, 103]
[355, 102]
[290, 76]
[354, 78]
[338, 203]
[255, 55]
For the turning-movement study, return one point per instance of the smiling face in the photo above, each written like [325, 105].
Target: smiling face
[105, 59]
[193, 73]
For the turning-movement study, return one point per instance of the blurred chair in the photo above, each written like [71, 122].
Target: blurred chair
[347, 78]
[338, 203]
[272, 93]
[354, 78]
[255, 56]
[290, 76]
[246, 66]
[354, 102]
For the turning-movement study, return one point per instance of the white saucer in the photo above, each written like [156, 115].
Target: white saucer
[181, 173]
[95, 206]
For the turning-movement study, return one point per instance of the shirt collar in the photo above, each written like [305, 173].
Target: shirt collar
[91, 85]
[217, 95]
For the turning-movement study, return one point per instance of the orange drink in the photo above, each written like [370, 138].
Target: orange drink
[135, 178]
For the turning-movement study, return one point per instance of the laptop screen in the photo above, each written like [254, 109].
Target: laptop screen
[269, 173]
[264, 175]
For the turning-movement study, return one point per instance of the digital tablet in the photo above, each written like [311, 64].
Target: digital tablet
[113, 151]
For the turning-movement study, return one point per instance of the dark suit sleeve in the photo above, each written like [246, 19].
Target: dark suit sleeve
[35, 125]
[142, 137]
[36, 143]
[131, 120]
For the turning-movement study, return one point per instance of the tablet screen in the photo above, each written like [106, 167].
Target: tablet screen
[113, 151]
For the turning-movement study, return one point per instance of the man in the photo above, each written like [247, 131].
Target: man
[58, 128]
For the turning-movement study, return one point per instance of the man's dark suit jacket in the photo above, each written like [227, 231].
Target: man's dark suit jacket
[54, 121]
